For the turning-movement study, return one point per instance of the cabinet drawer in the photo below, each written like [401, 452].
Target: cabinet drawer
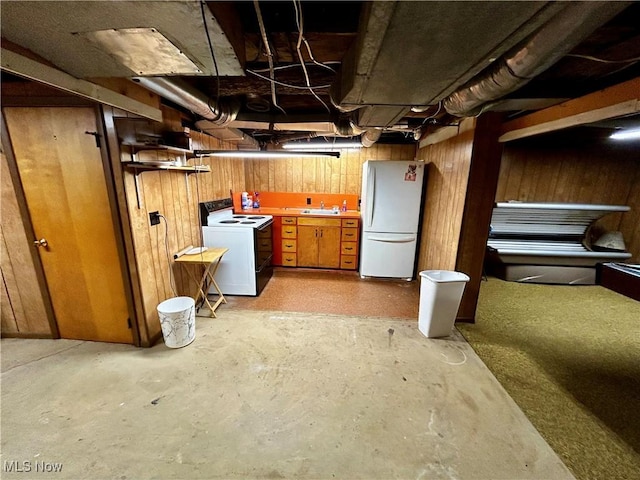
[349, 234]
[264, 244]
[349, 248]
[350, 222]
[348, 262]
[289, 231]
[289, 259]
[289, 245]
[289, 220]
[319, 222]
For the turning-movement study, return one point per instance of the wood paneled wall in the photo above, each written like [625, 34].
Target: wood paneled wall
[175, 195]
[321, 174]
[448, 172]
[566, 168]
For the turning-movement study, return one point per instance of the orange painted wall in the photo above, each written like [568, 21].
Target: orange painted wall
[299, 199]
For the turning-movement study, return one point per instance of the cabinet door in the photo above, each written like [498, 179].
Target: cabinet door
[329, 247]
[308, 246]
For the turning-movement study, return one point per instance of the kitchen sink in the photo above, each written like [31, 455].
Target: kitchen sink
[320, 211]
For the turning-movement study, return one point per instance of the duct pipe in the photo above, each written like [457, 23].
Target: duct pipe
[185, 95]
[369, 137]
[544, 48]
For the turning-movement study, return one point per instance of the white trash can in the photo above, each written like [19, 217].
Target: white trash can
[440, 295]
[178, 321]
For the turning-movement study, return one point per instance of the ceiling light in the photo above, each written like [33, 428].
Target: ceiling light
[626, 134]
[262, 153]
[322, 147]
[145, 51]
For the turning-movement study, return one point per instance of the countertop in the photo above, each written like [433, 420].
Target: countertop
[294, 212]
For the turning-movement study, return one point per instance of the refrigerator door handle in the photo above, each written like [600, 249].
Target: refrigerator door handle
[371, 196]
[405, 239]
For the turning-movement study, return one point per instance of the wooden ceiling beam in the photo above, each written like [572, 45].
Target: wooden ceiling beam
[26, 67]
[616, 101]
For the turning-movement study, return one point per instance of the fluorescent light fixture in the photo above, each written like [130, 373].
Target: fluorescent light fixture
[626, 134]
[145, 51]
[322, 147]
[262, 153]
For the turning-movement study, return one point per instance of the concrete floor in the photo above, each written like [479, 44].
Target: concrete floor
[267, 395]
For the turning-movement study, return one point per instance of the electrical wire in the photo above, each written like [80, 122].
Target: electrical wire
[172, 282]
[434, 115]
[300, 24]
[298, 87]
[602, 60]
[320, 64]
[217, 111]
[296, 65]
[263, 32]
[297, 5]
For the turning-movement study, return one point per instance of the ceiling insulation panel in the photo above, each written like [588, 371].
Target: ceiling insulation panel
[443, 45]
[62, 28]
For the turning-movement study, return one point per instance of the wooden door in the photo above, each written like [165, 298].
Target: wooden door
[23, 308]
[329, 247]
[62, 175]
[307, 246]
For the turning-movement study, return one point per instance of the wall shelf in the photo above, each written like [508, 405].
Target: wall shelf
[141, 167]
[135, 148]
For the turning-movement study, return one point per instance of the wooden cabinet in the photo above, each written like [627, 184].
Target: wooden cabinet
[319, 242]
[316, 242]
[288, 241]
[349, 237]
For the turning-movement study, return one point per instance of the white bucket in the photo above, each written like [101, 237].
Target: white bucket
[178, 321]
[440, 295]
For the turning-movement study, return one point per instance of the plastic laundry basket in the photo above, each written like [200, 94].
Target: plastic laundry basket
[178, 321]
[440, 295]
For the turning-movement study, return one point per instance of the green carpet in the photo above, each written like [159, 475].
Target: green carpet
[570, 357]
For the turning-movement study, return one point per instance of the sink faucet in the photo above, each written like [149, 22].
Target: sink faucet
[322, 204]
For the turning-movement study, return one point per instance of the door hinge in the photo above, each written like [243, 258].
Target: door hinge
[129, 323]
[97, 137]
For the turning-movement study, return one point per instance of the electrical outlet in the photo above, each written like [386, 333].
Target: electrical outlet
[154, 218]
[308, 200]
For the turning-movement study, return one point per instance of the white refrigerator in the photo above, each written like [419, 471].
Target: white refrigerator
[390, 211]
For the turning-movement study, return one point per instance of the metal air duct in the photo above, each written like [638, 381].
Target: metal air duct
[539, 52]
[183, 94]
[369, 137]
